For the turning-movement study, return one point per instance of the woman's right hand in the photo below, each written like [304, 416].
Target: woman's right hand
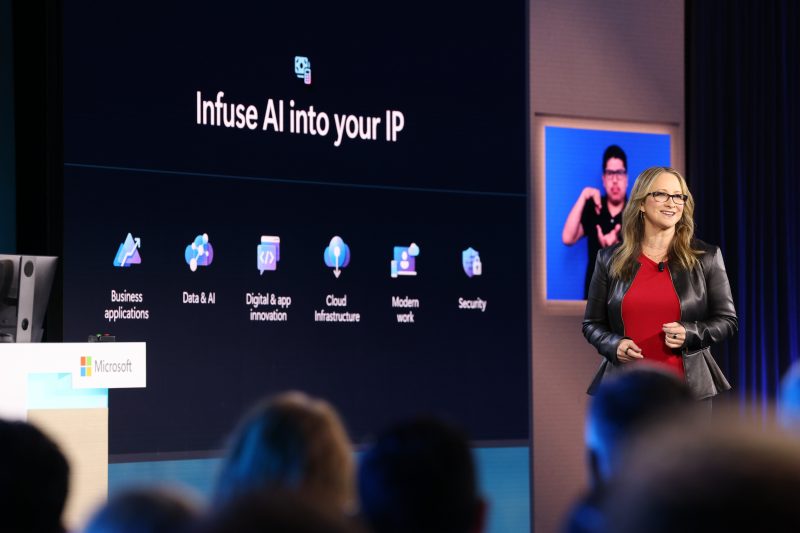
[627, 351]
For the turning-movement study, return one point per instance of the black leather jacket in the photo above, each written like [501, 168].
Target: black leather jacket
[707, 313]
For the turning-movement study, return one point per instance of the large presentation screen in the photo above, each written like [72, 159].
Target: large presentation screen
[330, 197]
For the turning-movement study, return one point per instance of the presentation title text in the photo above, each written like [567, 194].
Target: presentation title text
[280, 116]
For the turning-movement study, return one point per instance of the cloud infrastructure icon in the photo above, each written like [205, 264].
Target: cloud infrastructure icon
[337, 255]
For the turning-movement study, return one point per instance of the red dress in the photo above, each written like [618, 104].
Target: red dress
[650, 303]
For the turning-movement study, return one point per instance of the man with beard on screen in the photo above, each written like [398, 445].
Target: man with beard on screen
[596, 217]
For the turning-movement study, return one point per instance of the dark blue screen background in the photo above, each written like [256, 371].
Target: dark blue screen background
[136, 161]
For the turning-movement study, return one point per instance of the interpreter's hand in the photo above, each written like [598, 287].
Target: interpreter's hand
[592, 194]
[610, 238]
[627, 351]
[675, 335]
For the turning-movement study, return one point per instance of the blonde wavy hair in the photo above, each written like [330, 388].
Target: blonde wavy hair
[291, 442]
[680, 253]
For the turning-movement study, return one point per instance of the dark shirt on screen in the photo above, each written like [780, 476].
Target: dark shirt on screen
[589, 221]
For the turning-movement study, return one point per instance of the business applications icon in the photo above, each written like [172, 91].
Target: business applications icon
[404, 262]
[337, 255]
[302, 69]
[268, 253]
[199, 253]
[128, 252]
[471, 261]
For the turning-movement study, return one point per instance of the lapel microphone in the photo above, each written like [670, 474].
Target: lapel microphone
[661, 266]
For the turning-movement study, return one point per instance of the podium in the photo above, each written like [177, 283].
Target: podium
[63, 390]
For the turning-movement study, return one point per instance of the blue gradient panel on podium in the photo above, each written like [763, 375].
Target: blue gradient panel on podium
[54, 391]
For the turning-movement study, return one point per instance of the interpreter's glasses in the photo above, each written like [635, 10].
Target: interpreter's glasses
[616, 175]
[661, 197]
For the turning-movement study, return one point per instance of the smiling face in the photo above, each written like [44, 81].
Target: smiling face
[667, 214]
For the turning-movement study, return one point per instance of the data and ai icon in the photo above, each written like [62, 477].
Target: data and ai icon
[199, 253]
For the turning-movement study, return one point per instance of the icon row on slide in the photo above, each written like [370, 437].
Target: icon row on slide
[336, 256]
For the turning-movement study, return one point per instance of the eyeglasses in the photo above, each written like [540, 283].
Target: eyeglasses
[616, 175]
[661, 197]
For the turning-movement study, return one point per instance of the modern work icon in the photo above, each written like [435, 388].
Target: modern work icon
[471, 261]
[337, 255]
[128, 252]
[404, 261]
[269, 253]
[199, 253]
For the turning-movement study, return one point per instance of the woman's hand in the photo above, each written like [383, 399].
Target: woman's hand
[675, 335]
[627, 351]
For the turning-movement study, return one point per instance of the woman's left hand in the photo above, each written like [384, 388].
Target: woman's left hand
[675, 335]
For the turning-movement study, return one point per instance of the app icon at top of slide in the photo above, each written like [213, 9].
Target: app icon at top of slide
[128, 252]
[302, 69]
[337, 255]
[199, 253]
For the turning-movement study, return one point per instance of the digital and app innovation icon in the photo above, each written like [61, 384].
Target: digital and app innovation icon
[471, 261]
[268, 253]
[128, 252]
[337, 255]
[199, 252]
[404, 261]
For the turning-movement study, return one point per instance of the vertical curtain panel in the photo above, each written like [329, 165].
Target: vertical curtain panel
[743, 159]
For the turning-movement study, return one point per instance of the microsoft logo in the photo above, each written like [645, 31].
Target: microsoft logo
[86, 366]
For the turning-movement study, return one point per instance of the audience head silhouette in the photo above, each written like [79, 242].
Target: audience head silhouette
[789, 399]
[624, 406]
[34, 477]
[707, 479]
[145, 510]
[419, 476]
[291, 442]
